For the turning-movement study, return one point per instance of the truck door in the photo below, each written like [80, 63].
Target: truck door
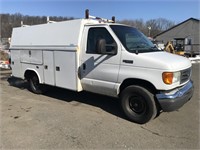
[99, 72]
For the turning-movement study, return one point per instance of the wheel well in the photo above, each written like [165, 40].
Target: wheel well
[29, 73]
[149, 86]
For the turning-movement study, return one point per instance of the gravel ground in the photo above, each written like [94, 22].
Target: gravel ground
[63, 119]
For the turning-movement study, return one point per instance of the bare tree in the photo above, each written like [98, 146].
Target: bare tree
[159, 25]
[152, 26]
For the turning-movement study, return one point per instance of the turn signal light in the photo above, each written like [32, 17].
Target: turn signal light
[167, 77]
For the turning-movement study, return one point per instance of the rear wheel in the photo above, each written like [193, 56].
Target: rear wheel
[138, 104]
[35, 86]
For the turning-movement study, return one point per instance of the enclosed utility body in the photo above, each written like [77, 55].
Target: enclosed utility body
[50, 51]
[104, 57]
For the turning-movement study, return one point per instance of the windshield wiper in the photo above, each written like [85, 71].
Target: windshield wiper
[154, 48]
[141, 49]
[135, 50]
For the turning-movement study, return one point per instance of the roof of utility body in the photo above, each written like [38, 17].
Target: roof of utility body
[65, 34]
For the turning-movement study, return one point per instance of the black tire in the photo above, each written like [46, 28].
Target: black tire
[187, 55]
[138, 104]
[34, 84]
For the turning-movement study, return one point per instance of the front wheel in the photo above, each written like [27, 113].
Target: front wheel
[138, 104]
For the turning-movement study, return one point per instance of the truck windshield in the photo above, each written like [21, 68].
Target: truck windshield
[133, 40]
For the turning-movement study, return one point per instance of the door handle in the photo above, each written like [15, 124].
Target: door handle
[57, 68]
[29, 52]
[128, 61]
[84, 66]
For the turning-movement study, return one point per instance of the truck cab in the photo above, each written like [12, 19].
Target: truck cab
[119, 60]
[101, 56]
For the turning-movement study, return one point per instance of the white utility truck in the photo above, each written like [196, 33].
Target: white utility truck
[101, 56]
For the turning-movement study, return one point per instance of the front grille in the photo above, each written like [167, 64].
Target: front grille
[185, 75]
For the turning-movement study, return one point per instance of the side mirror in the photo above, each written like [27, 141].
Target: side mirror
[103, 48]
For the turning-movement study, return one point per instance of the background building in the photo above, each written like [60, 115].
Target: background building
[188, 30]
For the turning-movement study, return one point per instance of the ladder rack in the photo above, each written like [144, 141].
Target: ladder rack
[87, 16]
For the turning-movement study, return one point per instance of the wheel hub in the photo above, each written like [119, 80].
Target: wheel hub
[137, 104]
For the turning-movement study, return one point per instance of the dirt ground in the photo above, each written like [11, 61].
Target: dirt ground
[63, 119]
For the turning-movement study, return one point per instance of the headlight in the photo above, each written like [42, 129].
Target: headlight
[171, 77]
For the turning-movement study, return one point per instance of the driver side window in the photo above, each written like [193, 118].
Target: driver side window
[94, 35]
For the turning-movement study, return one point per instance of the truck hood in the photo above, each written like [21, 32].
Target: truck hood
[162, 60]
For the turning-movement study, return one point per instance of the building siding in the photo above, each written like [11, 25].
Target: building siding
[188, 29]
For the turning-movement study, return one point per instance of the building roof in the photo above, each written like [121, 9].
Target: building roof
[193, 19]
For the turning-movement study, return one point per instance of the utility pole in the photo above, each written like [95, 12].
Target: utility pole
[149, 31]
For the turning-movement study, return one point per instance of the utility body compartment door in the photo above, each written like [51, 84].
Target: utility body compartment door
[66, 69]
[48, 59]
[15, 63]
[31, 56]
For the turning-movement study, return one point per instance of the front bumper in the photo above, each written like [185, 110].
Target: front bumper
[175, 99]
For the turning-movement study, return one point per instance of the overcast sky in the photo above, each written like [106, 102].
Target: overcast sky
[174, 10]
